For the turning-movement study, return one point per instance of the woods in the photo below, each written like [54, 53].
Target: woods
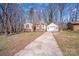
[13, 16]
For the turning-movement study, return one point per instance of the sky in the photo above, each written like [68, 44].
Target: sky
[27, 6]
[39, 6]
[36, 5]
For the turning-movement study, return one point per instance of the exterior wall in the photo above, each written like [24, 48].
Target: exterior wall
[52, 29]
[73, 26]
[69, 26]
[40, 27]
[37, 28]
[76, 27]
[28, 27]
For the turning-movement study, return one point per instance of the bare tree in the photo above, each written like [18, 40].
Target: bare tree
[61, 9]
[12, 19]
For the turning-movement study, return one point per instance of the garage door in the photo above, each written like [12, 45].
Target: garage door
[51, 29]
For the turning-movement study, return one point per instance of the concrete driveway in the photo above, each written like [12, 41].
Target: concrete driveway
[45, 45]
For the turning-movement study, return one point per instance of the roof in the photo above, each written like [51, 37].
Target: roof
[28, 23]
[52, 24]
[74, 23]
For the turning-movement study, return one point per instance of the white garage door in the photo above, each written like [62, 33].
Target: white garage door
[51, 29]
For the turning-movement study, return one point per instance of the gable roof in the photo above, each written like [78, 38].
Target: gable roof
[74, 23]
[52, 24]
[30, 24]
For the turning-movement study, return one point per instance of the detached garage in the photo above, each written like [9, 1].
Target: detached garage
[52, 27]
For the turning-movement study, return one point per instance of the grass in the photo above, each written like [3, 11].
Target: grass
[9, 45]
[3, 43]
[68, 42]
[71, 32]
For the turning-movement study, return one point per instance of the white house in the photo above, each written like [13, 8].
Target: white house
[28, 27]
[52, 27]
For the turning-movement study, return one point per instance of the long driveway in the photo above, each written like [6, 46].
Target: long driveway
[45, 45]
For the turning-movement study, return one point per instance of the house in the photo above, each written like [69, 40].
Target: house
[40, 27]
[74, 26]
[52, 27]
[28, 27]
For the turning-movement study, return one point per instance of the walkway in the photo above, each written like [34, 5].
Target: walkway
[45, 45]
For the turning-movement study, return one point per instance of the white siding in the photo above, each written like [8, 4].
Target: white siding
[52, 27]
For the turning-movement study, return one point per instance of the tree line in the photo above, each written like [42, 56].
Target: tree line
[12, 16]
[55, 13]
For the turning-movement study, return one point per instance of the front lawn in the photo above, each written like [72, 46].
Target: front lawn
[9, 45]
[68, 42]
